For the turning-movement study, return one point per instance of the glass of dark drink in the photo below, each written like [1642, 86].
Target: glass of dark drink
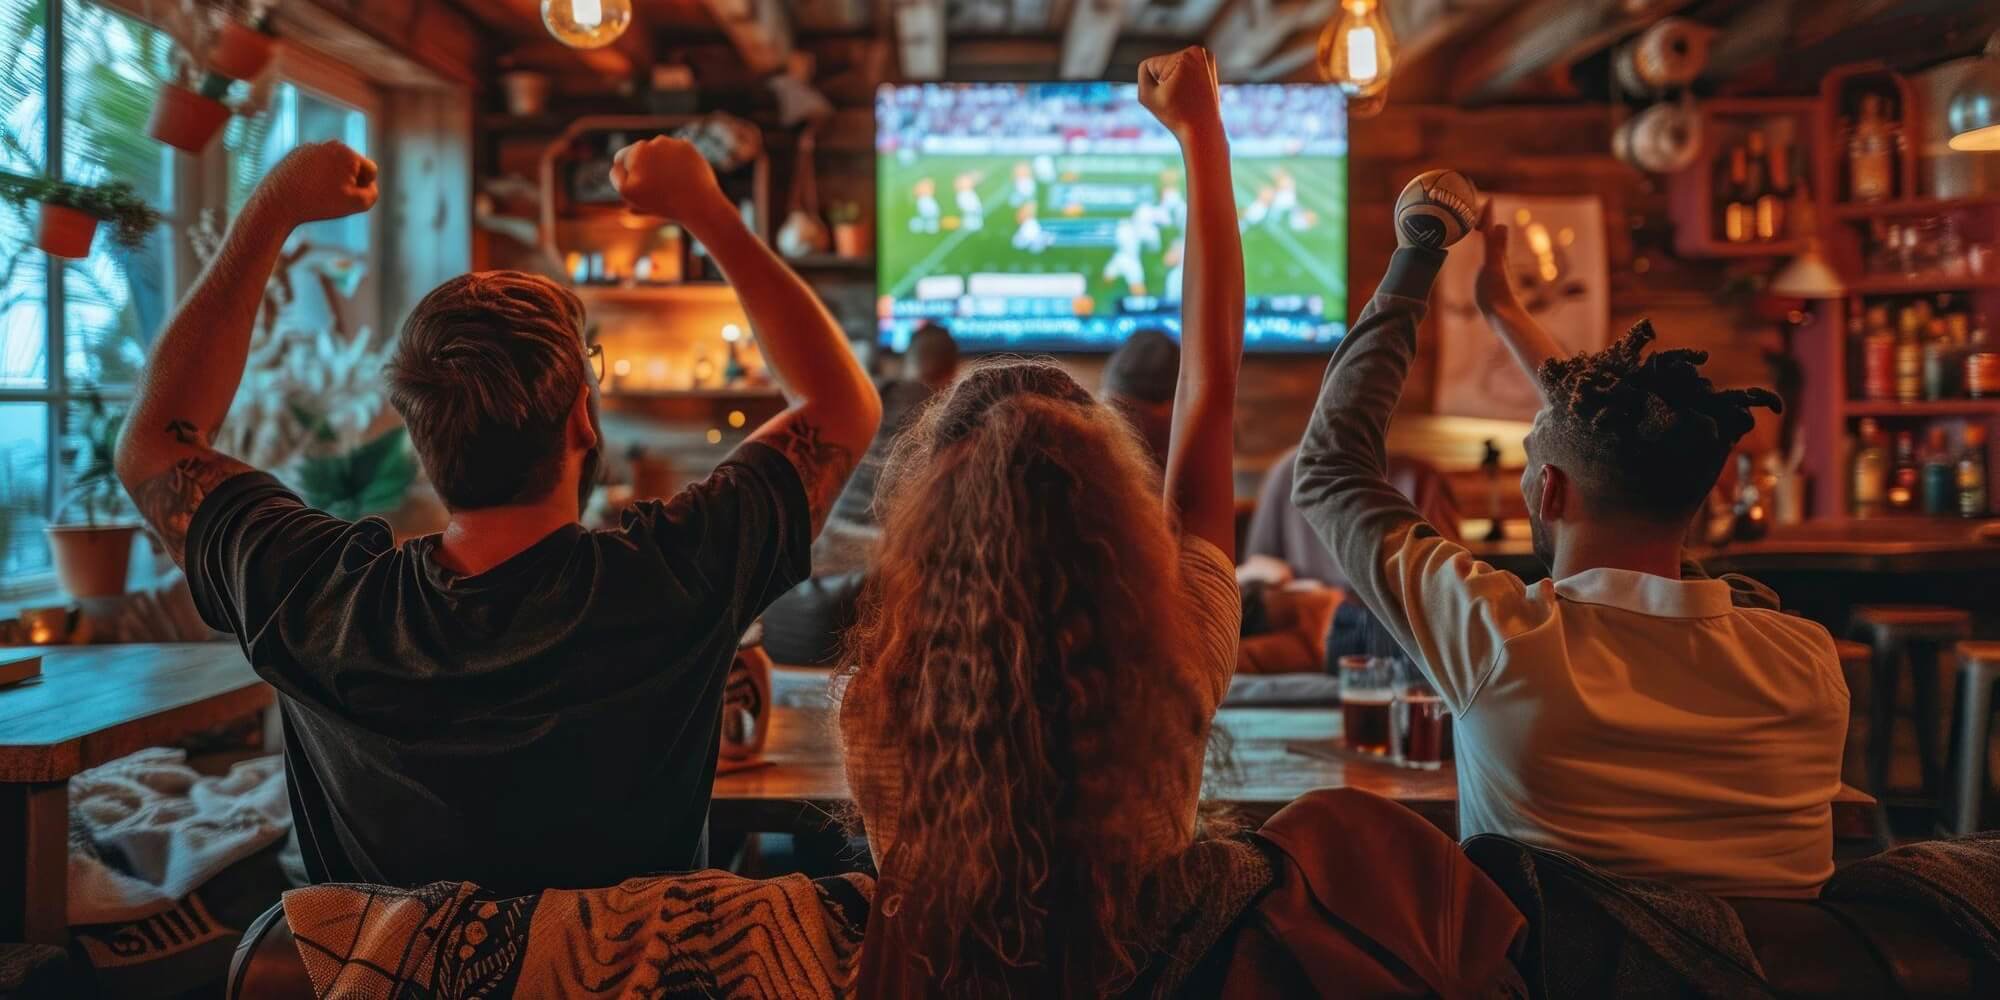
[1422, 724]
[1367, 692]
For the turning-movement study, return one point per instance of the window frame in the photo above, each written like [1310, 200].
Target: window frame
[198, 185]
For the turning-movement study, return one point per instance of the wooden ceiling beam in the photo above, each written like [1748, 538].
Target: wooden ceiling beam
[1781, 40]
[1173, 18]
[1093, 29]
[1246, 35]
[1547, 35]
[920, 34]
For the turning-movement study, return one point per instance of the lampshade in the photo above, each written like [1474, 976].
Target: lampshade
[1808, 276]
[1974, 110]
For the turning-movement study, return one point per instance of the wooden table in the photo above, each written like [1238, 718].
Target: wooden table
[804, 786]
[94, 704]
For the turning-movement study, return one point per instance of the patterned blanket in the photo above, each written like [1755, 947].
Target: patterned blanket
[705, 934]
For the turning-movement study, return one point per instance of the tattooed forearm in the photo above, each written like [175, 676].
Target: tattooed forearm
[823, 466]
[168, 501]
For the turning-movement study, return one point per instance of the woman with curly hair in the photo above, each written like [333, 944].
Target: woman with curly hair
[1046, 635]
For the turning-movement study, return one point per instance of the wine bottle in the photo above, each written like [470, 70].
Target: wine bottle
[1738, 224]
[1766, 207]
[1871, 471]
[1972, 494]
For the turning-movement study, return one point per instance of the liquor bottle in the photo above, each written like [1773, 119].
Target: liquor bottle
[1766, 205]
[1904, 474]
[1937, 361]
[1982, 362]
[1738, 212]
[1972, 494]
[1878, 357]
[1799, 213]
[1871, 472]
[1871, 153]
[1750, 515]
[1940, 475]
[1910, 356]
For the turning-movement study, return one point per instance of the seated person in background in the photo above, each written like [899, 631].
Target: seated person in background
[1139, 382]
[1287, 571]
[803, 627]
[1616, 711]
[1044, 639]
[516, 701]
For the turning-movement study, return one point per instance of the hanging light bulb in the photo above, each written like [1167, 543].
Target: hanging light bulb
[1354, 49]
[587, 24]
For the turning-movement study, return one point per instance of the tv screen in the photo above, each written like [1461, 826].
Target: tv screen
[1051, 216]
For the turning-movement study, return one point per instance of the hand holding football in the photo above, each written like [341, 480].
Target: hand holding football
[1436, 210]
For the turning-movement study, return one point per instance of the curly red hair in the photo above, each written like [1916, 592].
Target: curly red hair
[1015, 639]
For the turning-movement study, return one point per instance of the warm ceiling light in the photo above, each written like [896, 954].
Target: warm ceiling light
[587, 24]
[1974, 110]
[1354, 49]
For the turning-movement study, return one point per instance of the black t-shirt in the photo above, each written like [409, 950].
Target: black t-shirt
[552, 722]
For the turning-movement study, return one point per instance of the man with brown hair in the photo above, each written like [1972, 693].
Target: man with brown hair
[515, 701]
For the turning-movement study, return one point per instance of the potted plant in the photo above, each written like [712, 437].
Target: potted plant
[853, 236]
[207, 56]
[352, 483]
[244, 46]
[71, 212]
[92, 555]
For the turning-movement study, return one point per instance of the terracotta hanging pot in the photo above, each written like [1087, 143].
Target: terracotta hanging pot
[91, 561]
[242, 52]
[66, 232]
[186, 120]
[853, 239]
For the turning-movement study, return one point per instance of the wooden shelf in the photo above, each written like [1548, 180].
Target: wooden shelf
[1923, 408]
[1764, 248]
[719, 392]
[1912, 206]
[831, 262]
[703, 291]
[1897, 285]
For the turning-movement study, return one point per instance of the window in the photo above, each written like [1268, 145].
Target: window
[108, 307]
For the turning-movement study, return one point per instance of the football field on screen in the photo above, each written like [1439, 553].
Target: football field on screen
[1303, 254]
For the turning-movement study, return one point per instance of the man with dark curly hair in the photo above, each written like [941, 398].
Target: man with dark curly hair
[1654, 724]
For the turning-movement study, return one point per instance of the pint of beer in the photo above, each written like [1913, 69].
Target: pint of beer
[1367, 691]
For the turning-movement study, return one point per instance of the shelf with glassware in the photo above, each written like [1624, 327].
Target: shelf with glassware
[1750, 191]
[1901, 360]
[611, 253]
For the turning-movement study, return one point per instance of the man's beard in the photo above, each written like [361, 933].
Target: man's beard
[1544, 546]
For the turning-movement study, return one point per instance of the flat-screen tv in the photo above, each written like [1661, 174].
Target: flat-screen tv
[1051, 216]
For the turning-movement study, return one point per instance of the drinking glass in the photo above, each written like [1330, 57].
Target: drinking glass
[1367, 689]
[1421, 723]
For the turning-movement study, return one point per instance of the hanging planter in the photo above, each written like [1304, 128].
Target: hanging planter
[70, 212]
[186, 120]
[242, 52]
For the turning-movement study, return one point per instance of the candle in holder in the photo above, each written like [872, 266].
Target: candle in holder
[46, 626]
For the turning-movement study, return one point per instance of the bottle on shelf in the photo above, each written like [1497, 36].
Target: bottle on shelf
[1972, 492]
[1940, 475]
[1910, 356]
[1871, 472]
[1982, 362]
[1878, 354]
[1871, 152]
[1750, 515]
[1938, 356]
[1738, 211]
[1799, 212]
[1905, 474]
[1767, 207]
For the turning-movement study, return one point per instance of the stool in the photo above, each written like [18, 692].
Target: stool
[1978, 674]
[1916, 632]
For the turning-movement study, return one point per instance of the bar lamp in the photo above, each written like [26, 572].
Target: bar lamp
[587, 24]
[1974, 110]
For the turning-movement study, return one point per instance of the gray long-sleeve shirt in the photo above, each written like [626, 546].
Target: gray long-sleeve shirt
[1646, 724]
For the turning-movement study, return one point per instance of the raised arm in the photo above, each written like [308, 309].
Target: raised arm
[164, 458]
[1180, 89]
[833, 408]
[1525, 339]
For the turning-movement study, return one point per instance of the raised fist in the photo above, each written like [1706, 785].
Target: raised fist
[1181, 91]
[319, 181]
[665, 176]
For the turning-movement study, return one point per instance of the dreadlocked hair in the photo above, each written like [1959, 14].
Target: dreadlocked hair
[1013, 640]
[1648, 434]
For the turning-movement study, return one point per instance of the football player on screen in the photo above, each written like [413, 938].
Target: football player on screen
[926, 219]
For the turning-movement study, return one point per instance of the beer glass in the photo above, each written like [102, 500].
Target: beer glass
[1367, 689]
[1421, 723]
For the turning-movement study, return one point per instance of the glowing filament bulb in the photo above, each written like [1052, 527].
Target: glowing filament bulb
[732, 333]
[587, 24]
[1354, 50]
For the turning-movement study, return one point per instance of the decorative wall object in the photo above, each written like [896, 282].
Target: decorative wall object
[1560, 270]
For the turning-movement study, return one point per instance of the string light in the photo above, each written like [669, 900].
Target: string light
[587, 24]
[1354, 50]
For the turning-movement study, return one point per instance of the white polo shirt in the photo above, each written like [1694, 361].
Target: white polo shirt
[1642, 723]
